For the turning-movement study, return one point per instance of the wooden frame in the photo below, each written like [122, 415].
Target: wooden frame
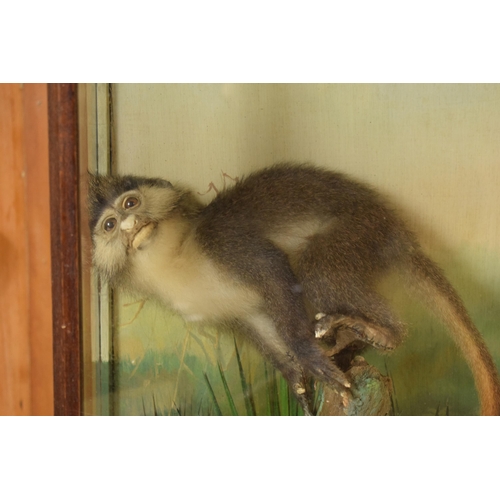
[65, 247]
[26, 371]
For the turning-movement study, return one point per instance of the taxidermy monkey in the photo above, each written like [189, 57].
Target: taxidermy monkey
[291, 253]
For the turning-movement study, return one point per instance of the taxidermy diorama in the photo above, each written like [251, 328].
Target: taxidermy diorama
[291, 255]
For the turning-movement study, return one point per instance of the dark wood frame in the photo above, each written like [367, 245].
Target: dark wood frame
[65, 247]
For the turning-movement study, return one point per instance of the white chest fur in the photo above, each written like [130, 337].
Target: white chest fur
[173, 269]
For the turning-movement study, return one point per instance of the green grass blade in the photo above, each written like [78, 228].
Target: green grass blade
[394, 401]
[272, 391]
[268, 393]
[212, 394]
[155, 411]
[251, 394]
[437, 410]
[284, 397]
[294, 405]
[229, 396]
[318, 398]
[247, 389]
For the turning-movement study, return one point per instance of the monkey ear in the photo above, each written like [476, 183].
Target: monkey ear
[162, 183]
[97, 196]
[93, 183]
[92, 179]
[98, 184]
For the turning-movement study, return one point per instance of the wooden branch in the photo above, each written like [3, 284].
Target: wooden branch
[370, 393]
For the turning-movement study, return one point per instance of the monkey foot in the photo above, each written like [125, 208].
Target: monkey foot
[346, 330]
[370, 393]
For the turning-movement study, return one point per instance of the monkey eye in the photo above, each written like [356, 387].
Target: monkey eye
[131, 202]
[109, 224]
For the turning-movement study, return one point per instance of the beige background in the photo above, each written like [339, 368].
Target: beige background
[433, 149]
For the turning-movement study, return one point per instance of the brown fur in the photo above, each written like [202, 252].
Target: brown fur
[281, 245]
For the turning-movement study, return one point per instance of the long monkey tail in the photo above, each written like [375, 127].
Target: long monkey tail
[433, 288]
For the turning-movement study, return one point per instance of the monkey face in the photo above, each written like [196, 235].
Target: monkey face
[127, 223]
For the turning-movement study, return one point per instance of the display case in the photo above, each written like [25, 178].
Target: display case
[432, 150]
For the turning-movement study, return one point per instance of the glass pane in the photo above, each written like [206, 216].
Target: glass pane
[408, 141]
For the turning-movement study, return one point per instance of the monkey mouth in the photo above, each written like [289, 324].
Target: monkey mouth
[142, 235]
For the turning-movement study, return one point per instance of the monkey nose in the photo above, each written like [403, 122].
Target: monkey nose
[128, 223]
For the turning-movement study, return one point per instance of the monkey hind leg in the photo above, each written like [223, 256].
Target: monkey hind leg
[261, 330]
[296, 363]
[338, 282]
[344, 330]
[320, 366]
[316, 363]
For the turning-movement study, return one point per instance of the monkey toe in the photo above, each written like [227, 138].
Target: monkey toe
[329, 373]
[303, 398]
[325, 323]
[375, 335]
